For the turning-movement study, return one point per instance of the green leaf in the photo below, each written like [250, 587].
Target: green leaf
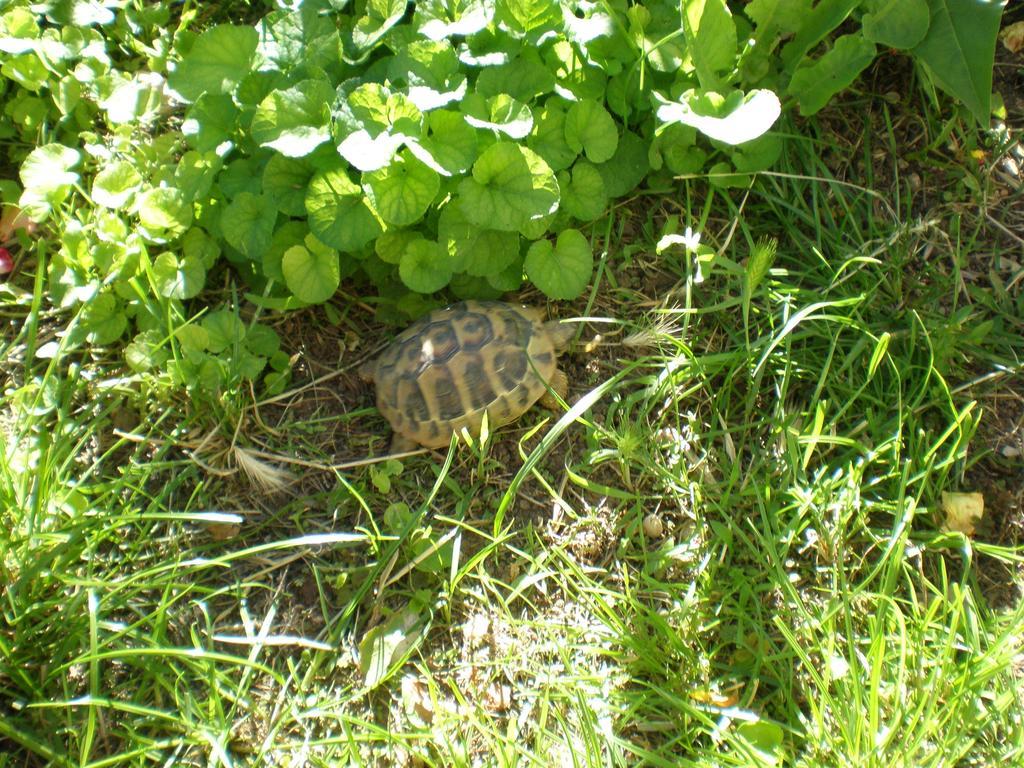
[248, 224]
[338, 213]
[374, 123]
[440, 19]
[164, 213]
[388, 644]
[178, 279]
[195, 174]
[392, 244]
[196, 244]
[959, 50]
[478, 251]
[562, 271]
[589, 128]
[146, 351]
[524, 78]
[219, 59]
[284, 181]
[627, 168]
[425, 266]
[510, 186]
[465, 286]
[431, 71]
[262, 340]
[210, 122]
[777, 17]
[896, 23]
[449, 145]
[548, 138]
[526, 16]
[299, 37]
[380, 16]
[295, 121]
[499, 113]
[714, 40]
[765, 740]
[817, 24]
[224, 330]
[584, 196]
[47, 178]
[136, 100]
[193, 339]
[312, 276]
[734, 119]
[115, 185]
[103, 319]
[813, 85]
[675, 148]
[288, 234]
[402, 191]
[26, 70]
[510, 278]
[759, 154]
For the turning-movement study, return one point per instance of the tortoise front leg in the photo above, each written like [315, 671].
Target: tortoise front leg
[559, 384]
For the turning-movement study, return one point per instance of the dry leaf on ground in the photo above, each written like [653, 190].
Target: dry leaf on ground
[962, 511]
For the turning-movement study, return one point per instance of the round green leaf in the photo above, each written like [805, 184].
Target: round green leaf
[284, 181]
[295, 121]
[262, 340]
[224, 330]
[218, 61]
[584, 196]
[548, 139]
[313, 276]
[199, 246]
[450, 144]
[479, 252]
[425, 266]
[392, 244]
[115, 185]
[499, 113]
[164, 213]
[103, 319]
[146, 351]
[248, 223]
[47, 178]
[178, 279]
[288, 234]
[628, 166]
[510, 186]
[402, 191]
[562, 271]
[338, 213]
[210, 122]
[589, 128]
[508, 279]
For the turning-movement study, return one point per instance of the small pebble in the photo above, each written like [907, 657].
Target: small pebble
[653, 526]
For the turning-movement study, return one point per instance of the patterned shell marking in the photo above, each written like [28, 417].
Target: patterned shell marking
[442, 373]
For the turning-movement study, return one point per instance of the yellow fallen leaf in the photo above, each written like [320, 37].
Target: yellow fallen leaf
[1013, 37]
[718, 699]
[962, 511]
[223, 531]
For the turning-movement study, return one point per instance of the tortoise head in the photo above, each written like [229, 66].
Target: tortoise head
[368, 370]
[560, 334]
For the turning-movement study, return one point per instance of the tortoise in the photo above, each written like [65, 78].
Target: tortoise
[447, 369]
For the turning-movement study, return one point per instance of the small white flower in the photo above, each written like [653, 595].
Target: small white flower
[689, 239]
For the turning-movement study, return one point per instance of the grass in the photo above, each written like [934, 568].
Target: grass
[729, 551]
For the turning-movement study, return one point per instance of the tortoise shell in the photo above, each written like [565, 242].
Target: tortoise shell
[446, 370]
